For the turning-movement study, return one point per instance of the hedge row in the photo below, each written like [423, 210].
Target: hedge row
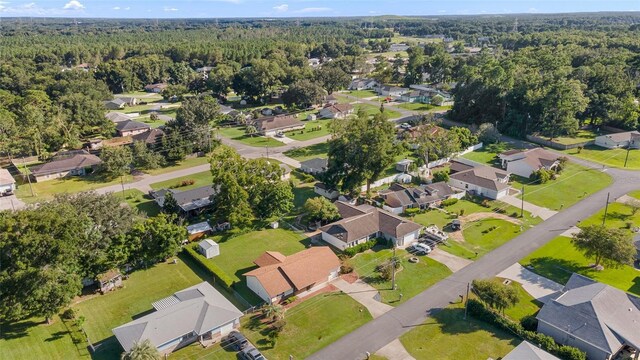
[220, 276]
[360, 248]
[477, 309]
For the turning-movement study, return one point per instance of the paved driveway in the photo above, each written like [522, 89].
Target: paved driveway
[11, 203]
[454, 263]
[535, 210]
[363, 293]
[537, 286]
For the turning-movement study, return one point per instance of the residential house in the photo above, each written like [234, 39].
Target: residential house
[314, 62]
[322, 190]
[208, 248]
[131, 127]
[129, 100]
[190, 201]
[398, 198]
[114, 104]
[629, 139]
[278, 277]
[365, 222]
[196, 313]
[479, 179]
[204, 71]
[151, 138]
[338, 111]
[596, 318]
[117, 117]
[7, 183]
[109, 280]
[314, 166]
[363, 84]
[155, 88]
[398, 47]
[527, 351]
[424, 94]
[391, 91]
[526, 162]
[70, 164]
[271, 125]
[198, 231]
[330, 99]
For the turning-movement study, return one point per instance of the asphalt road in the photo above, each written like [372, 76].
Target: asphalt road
[379, 332]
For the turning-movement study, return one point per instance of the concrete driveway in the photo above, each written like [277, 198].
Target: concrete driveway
[454, 263]
[11, 203]
[535, 210]
[363, 293]
[537, 286]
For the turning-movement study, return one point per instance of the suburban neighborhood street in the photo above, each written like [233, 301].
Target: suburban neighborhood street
[381, 331]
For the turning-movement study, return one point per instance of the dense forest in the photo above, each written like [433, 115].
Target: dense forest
[547, 74]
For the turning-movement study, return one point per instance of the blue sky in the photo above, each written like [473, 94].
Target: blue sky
[297, 8]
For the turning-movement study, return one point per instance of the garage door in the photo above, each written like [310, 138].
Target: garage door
[408, 239]
[225, 329]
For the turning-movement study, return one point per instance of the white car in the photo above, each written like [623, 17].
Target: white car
[405, 126]
[422, 249]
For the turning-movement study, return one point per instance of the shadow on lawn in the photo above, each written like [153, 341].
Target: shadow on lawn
[635, 288]
[17, 330]
[451, 321]
[558, 270]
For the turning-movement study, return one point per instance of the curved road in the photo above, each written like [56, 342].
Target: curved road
[379, 332]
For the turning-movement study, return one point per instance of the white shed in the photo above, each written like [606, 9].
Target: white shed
[209, 248]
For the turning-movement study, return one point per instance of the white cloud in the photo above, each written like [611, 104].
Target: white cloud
[127, 8]
[281, 8]
[311, 10]
[73, 5]
[532, 10]
[168, 9]
[116, 8]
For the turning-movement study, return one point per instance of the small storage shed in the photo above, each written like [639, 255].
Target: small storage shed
[199, 230]
[311, 117]
[208, 248]
[109, 280]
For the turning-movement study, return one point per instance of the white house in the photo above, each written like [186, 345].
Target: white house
[526, 162]
[479, 180]
[337, 111]
[363, 84]
[7, 183]
[393, 91]
[362, 223]
[208, 248]
[322, 189]
[271, 125]
[314, 166]
[619, 140]
[278, 277]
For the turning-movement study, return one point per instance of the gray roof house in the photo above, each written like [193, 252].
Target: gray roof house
[596, 318]
[115, 104]
[314, 166]
[479, 179]
[196, 313]
[526, 351]
[131, 127]
[188, 200]
[69, 164]
[398, 198]
[117, 117]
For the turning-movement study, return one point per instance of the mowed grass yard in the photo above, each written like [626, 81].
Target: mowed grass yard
[310, 326]
[309, 152]
[200, 179]
[138, 200]
[558, 259]
[423, 107]
[446, 335]
[238, 133]
[374, 110]
[362, 94]
[312, 130]
[608, 157]
[238, 253]
[46, 190]
[411, 279]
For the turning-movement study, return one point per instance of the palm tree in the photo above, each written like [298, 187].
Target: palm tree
[143, 350]
[274, 312]
[251, 130]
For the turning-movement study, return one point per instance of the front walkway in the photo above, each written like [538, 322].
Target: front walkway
[454, 263]
[535, 210]
[395, 351]
[537, 286]
[363, 293]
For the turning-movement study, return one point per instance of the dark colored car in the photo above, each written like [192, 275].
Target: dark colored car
[237, 341]
[251, 353]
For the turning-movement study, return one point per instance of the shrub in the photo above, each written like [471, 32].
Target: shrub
[461, 213]
[385, 270]
[360, 248]
[69, 314]
[346, 267]
[514, 214]
[217, 273]
[485, 203]
[529, 323]
[449, 202]
[412, 211]
[579, 148]
[441, 176]
[290, 299]
[541, 176]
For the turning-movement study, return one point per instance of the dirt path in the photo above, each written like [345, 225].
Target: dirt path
[489, 215]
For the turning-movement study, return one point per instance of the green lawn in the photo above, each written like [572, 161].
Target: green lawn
[558, 259]
[361, 93]
[201, 179]
[184, 164]
[309, 152]
[446, 335]
[47, 189]
[618, 215]
[572, 185]
[141, 201]
[153, 123]
[195, 351]
[310, 326]
[374, 110]
[312, 130]
[483, 156]
[423, 107]
[238, 134]
[581, 136]
[527, 305]
[635, 194]
[238, 253]
[608, 157]
[303, 188]
[476, 240]
[411, 280]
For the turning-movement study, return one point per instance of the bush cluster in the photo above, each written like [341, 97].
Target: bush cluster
[449, 202]
[360, 248]
[481, 312]
[217, 273]
[184, 183]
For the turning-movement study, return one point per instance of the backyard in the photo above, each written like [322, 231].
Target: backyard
[238, 133]
[310, 326]
[411, 279]
[558, 259]
[608, 157]
[446, 335]
[139, 200]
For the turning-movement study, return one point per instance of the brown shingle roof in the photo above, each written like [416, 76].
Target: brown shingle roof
[150, 137]
[298, 271]
[269, 123]
[77, 161]
[483, 176]
[129, 125]
[269, 258]
[339, 108]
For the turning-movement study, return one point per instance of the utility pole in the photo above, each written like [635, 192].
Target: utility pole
[393, 263]
[522, 203]
[26, 171]
[122, 182]
[267, 151]
[606, 208]
[466, 302]
[627, 157]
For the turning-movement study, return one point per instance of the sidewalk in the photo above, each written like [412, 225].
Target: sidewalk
[363, 293]
[535, 210]
[537, 286]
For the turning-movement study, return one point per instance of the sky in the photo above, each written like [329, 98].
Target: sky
[296, 8]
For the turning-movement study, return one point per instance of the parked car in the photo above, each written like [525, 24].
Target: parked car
[455, 225]
[405, 126]
[280, 134]
[420, 249]
[430, 243]
[251, 353]
[237, 341]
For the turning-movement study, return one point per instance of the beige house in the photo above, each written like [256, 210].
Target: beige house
[75, 164]
[271, 125]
